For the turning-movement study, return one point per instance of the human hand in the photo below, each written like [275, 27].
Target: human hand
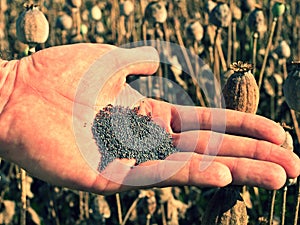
[41, 129]
[39, 118]
[220, 147]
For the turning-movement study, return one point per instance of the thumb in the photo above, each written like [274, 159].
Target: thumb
[123, 62]
[141, 60]
[106, 77]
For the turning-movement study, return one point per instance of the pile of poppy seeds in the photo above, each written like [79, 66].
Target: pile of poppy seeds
[120, 132]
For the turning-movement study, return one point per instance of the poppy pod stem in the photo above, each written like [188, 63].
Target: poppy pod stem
[272, 204]
[297, 203]
[23, 197]
[119, 208]
[229, 42]
[189, 64]
[130, 210]
[267, 52]
[216, 57]
[283, 208]
[255, 38]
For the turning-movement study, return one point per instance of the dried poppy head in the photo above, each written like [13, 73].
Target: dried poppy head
[236, 12]
[210, 5]
[64, 22]
[278, 8]
[283, 50]
[291, 87]
[95, 13]
[75, 3]
[32, 26]
[241, 92]
[220, 16]
[248, 5]
[100, 28]
[126, 8]
[256, 20]
[156, 12]
[195, 30]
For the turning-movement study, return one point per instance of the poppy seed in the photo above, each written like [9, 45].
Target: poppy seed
[123, 133]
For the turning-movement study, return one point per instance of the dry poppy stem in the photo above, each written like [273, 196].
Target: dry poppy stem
[144, 31]
[86, 205]
[189, 64]
[298, 31]
[221, 55]
[234, 40]
[229, 37]
[53, 206]
[148, 217]
[81, 209]
[114, 19]
[78, 19]
[159, 72]
[119, 208]
[144, 35]
[257, 200]
[216, 57]
[132, 207]
[163, 214]
[198, 90]
[229, 43]
[296, 125]
[272, 207]
[297, 203]
[267, 52]
[255, 38]
[278, 30]
[130, 28]
[23, 197]
[121, 30]
[283, 208]
[196, 57]
[284, 67]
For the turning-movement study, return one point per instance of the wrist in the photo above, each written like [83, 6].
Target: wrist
[7, 81]
[7, 85]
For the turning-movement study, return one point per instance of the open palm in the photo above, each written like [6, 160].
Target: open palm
[45, 127]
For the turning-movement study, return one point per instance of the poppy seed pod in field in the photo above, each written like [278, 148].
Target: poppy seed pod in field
[289, 145]
[32, 26]
[75, 3]
[248, 5]
[283, 50]
[126, 8]
[3, 5]
[220, 16]
[291, 87]
[100, 28]
[195, 30]
[210, 5]
[256, 21]
[96, 13]
[84, 29]
[64, 22]
[236, 12]
[226, 207]
[278, 8]
[156, 12]
[241, 92]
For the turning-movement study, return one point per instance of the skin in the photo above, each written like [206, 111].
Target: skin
[36, 130]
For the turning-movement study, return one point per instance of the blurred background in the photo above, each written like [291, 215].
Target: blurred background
[213, 35]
